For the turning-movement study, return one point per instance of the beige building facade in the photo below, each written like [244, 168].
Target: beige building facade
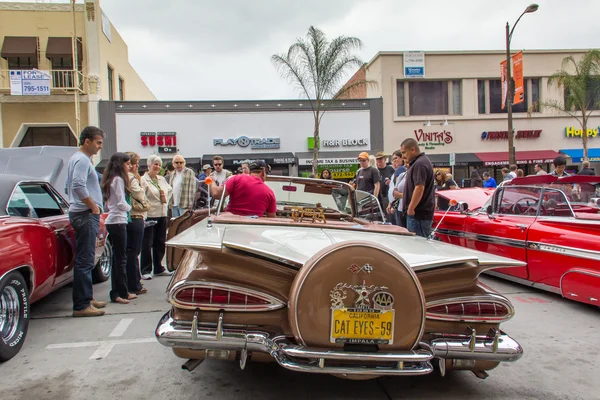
[451, 103]
[38, 36]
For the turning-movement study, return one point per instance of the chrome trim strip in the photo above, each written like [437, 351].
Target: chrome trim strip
[31, 276]
[274, 303]
[578, 271]
[487, 298]
[174, 334]
[412, 274]
[525, 282]
[484, 238]
[564, 250]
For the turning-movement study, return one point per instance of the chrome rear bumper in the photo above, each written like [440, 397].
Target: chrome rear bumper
[497, 347]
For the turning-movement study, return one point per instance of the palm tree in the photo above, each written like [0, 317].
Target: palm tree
[581, 90]
[318, 67]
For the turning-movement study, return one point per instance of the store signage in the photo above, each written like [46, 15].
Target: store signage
[339, 171]
[431, 140]
[30, 82]
[503, 135]
[414, 64]
[275, 160]
[330, 161]
[344, 142]
[520, 161]
[166, 141]
[571, 131]
[245, 141]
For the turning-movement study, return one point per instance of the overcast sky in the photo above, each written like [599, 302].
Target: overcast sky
[217, 50]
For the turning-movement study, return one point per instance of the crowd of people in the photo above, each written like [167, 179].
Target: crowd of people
[139, 206]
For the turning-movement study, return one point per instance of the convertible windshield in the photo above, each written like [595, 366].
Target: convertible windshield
[311, 195]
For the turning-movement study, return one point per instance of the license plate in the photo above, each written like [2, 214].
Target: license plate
[362, 327]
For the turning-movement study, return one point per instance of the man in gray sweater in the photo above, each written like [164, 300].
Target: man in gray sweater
[85, 206]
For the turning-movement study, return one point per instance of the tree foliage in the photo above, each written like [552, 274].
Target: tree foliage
[318, 68]
[580, 83]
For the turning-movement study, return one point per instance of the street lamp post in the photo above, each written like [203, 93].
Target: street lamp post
[510, 92]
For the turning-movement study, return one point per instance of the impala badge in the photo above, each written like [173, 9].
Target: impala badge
[354, 268]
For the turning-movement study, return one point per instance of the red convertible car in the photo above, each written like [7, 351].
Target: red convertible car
[551, 223]
[37, 243]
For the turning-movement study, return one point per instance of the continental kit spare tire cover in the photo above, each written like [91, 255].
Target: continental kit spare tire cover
[357, 293]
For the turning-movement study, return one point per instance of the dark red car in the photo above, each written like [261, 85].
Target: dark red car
[551, 223]
[37, 243]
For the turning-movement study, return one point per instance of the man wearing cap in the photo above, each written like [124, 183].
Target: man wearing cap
[248, 194]
[206, 170]
[368, 178]
[386, 172]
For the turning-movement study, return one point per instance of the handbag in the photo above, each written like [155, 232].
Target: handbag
[137, 205]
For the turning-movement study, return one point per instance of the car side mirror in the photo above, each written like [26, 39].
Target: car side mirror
[489, 209]
[462, 206]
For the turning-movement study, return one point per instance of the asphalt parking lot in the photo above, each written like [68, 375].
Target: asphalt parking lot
[116, 356]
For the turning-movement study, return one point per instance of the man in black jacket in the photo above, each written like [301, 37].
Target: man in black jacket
[585, 169]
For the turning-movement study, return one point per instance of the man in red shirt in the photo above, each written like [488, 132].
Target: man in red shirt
[248, 194]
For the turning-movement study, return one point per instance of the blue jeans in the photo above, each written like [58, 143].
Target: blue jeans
[86, 226]
[178, 211]
[421, 227]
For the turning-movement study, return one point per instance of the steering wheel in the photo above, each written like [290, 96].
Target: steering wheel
[516, 208]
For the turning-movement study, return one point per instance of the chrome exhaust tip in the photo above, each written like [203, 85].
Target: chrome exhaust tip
[481, 374]
[191, 364]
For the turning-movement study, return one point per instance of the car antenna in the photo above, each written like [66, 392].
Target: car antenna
[452, 203]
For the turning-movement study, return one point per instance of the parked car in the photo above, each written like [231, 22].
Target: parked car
[552, 224]
[37, 243]
[321, 290]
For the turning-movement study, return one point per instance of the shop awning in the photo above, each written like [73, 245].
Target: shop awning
[577, 155]
[270, 158]
[523, 157]
[461, 159]
[61, 47]
[19, 46]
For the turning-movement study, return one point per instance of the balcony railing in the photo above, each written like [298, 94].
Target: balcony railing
[62, 81]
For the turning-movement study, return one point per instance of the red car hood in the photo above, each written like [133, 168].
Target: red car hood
[474, 197]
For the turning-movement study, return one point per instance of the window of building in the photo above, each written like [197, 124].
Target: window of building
[111, 86]
[481, 96]
[22, 62]
[429, 97]
[400, 97]
[535, 94]
[48, 136]
[121, 89]
[592, 96]
[495, 97]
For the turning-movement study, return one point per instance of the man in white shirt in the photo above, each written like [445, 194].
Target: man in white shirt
[219, 175]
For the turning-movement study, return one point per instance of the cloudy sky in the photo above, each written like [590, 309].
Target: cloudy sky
[216, 50]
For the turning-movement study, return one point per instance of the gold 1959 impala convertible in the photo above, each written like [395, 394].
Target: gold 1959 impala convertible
[323, 288]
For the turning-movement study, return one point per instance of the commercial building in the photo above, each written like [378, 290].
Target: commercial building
[451, 103]
[279, 131]
[43, 97]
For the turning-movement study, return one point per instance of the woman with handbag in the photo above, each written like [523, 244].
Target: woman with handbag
[158, 192]
[135, 228]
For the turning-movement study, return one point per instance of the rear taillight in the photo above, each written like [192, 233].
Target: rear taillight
[470, 311]
[223, 297]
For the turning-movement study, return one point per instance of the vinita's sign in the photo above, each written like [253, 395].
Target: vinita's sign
[431, 140]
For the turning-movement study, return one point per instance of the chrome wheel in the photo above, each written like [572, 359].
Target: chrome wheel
[106, 259]
[10, 312]
[103, 267]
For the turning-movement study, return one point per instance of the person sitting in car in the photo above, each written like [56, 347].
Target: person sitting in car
[248, 194]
